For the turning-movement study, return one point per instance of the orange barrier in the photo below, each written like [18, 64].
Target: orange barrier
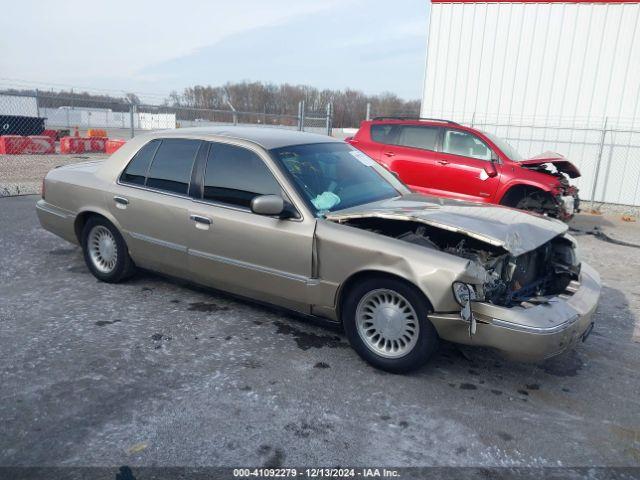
[50, 133]
[96, 132]
[113, 145]
[13, 144]
[82, 145]
[40, 144]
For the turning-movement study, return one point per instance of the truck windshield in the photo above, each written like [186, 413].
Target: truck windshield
[506, 147]
[335, 176]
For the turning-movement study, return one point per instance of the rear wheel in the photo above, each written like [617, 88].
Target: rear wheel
[386, 322]
[105, 251]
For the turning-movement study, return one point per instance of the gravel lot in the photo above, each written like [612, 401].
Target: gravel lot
[23, 174]
[155, 372]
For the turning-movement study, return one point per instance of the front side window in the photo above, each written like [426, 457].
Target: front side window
[425, 138]
[136, 171]
[235, 175]
[172, 164]
[464, 144]
[334, 176]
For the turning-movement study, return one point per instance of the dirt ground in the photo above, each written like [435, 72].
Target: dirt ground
[156, 372]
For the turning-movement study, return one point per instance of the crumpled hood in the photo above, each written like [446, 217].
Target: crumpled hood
[560, 162]
[516, 231]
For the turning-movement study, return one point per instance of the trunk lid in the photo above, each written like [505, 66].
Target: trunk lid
[560, 162]
[516, 231]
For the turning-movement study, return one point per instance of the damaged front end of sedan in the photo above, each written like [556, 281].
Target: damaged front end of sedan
[510, 280]
[523, 290]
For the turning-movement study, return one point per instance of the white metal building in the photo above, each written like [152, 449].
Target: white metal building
[562, 76]
[18, 105]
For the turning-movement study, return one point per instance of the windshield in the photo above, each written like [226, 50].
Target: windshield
[335, 176]
[506, 147]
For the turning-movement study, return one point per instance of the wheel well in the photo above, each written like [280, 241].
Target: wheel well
[81, 221]
[517, 192]
[353, 280]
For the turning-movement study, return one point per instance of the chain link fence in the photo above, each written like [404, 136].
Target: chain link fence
[40, 131]
[608, 155]
[27, 115]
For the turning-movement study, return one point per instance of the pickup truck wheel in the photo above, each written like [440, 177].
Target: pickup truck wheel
[105, 251]
[386, 322]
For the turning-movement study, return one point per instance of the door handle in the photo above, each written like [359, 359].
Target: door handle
[443, 162]
[200, 219]
[121, 202]
[389, 154]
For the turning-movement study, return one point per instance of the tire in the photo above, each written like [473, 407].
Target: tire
[105, 252]
[403, 303]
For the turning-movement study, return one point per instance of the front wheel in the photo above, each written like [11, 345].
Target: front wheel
[386, 322]
[105, 251]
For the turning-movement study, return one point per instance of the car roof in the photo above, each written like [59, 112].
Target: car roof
[266, 137]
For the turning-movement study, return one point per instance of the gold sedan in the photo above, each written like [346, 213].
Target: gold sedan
[311, 224]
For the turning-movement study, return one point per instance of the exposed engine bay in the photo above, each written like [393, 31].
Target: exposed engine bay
[531, 277]
[561, 206]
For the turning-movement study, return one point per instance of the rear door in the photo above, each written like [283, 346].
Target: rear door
[471, 168]
[151, 203]
[411, 152]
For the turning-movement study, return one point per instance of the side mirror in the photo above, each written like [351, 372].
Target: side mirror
[490, 169]
[267, 205]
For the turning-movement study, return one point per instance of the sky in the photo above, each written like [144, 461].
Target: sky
[153, 47]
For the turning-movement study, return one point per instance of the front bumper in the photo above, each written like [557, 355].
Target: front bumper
[529, 333]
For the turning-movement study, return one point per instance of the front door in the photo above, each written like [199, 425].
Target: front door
[231, 248]
[468, 168]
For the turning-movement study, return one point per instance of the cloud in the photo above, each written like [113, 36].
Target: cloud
[157, 46]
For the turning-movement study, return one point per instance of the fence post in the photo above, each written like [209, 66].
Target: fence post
[37, 104]
[597, 172]
[329, 118]
[368, 115]
[301, 116]
[132, 109]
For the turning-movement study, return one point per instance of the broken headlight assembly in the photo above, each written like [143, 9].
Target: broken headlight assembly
[464, 295]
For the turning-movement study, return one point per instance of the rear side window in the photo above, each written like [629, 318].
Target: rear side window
[425, 138]
[136, 171]
[235, 175]
[172, 164]
[384, 133]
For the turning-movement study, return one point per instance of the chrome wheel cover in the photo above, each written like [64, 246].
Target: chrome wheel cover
[103, 249]
[387, 323]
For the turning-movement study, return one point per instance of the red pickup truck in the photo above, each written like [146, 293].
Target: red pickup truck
[446, 159]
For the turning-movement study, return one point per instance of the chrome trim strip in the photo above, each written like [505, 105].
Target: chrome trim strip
[537, 330]
[51, 210]
[154, 190]
[517, 327]
[253, 266]
[205, 202]
[157, 241]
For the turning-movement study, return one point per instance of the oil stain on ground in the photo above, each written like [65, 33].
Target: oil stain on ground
[276, 456]
[206, 307]
[306, 340]
[467, 386]
[566, 365]
[102, 323]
